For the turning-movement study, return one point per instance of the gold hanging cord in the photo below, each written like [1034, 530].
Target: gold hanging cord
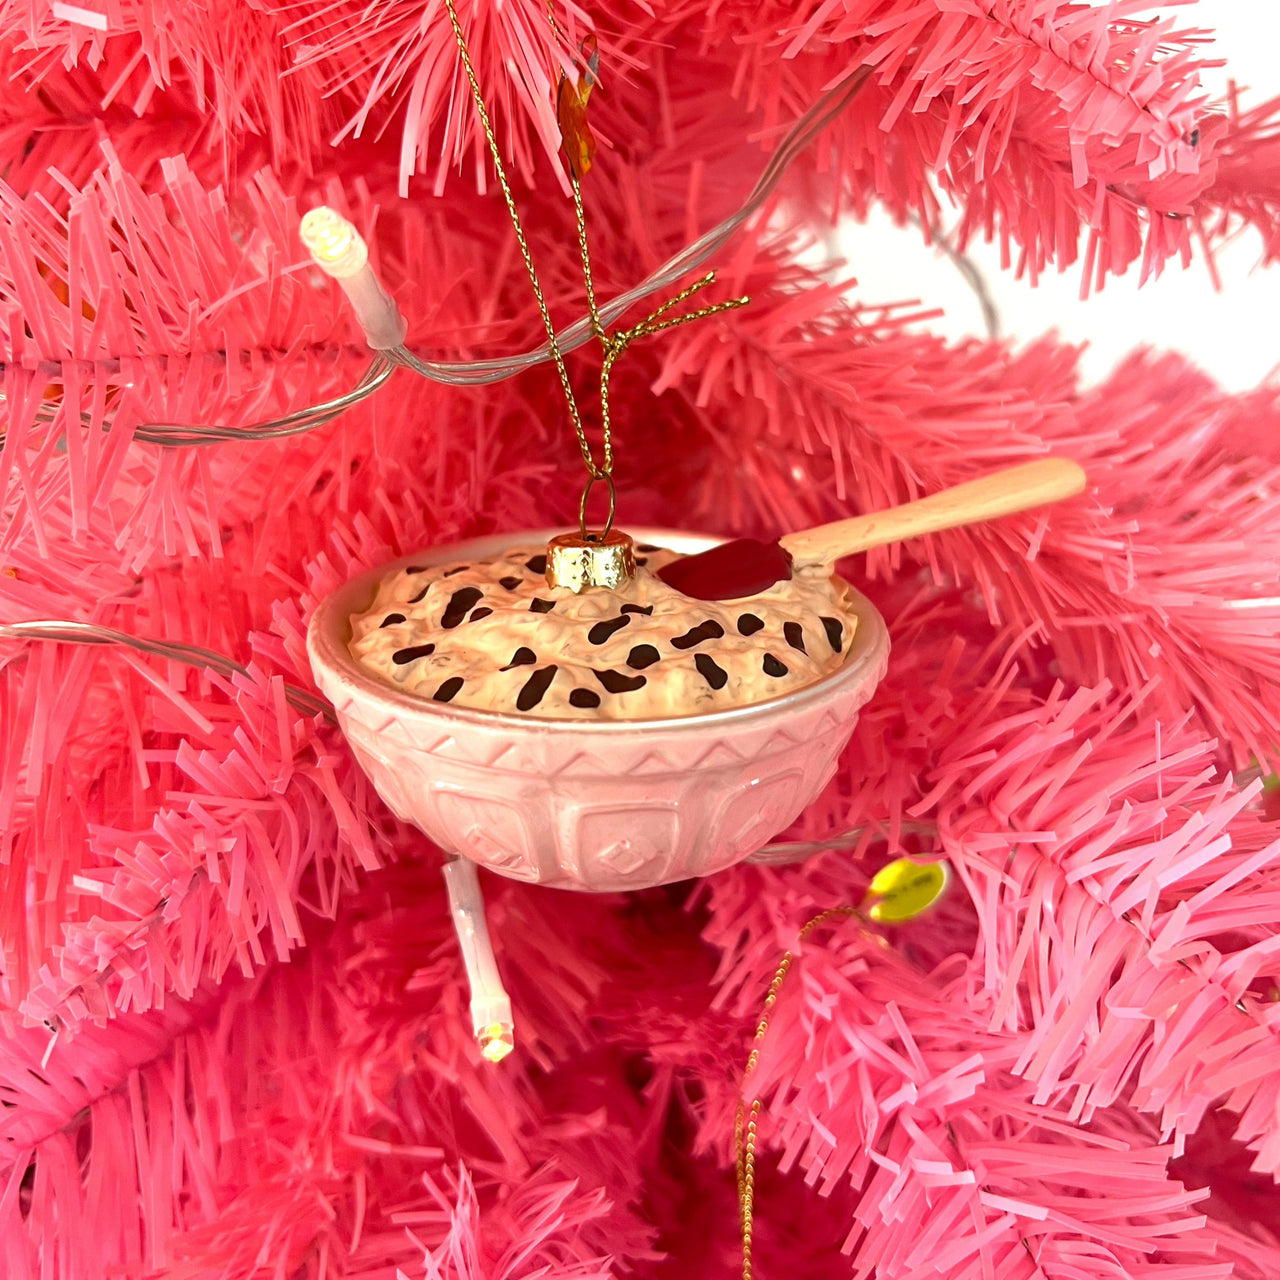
[614, 344]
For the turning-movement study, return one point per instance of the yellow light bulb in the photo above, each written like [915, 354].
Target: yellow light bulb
[904, 889]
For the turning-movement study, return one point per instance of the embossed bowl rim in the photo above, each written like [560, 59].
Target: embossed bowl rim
[329, 633]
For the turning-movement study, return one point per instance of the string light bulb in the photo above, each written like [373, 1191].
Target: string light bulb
[336, 247]
[496, 1041]
[339, 250]
[491, 1020]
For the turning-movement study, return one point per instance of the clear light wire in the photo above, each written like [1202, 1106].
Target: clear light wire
[184, 435]
[782, 852]
[802, 133]
[71, 632]
[482, 372]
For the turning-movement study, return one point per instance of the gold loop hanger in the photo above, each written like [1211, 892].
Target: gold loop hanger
[607, 477]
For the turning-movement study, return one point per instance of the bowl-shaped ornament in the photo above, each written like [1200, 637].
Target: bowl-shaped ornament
[592, 805]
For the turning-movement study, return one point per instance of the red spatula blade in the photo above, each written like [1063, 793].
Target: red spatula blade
[730, 571]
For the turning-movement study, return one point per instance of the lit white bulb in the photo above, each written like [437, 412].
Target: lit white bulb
[339, 250]
[336, 246]
[491, 1020]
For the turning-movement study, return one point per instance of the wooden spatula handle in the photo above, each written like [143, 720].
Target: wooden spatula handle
[1033, 484]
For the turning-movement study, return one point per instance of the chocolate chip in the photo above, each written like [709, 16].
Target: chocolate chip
[795, 636]
[536, 564]
[401, 656]
[479, 613]
[643, 655]
[391, 619]
[584, 698]
[646, 609]
[617, 682]
[417, 568]
[541, 606]
[835, 633]
[708, 630]
[749, 624]
[641, 561]
[647, 546]
[772, 667]
[521, 658]
[716, 676]
[534, 687]
[462, 568]
[509, 583]
[447, 690]
[421, 594]
[460, 605]
[602, 631]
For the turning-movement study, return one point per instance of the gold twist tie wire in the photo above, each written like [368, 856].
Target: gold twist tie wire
[614, 344]
[746, 1122]
[899, 891]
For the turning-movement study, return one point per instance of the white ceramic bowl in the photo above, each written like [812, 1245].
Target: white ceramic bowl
[601, 806]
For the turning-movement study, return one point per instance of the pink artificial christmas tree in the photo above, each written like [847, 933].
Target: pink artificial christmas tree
[235, 1040]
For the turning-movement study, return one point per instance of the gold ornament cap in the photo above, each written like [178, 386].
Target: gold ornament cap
[578, 561]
